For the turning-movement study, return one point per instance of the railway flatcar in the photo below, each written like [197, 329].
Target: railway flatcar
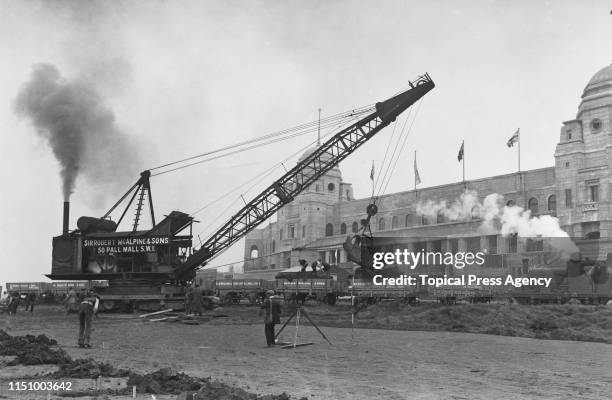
[236, 291]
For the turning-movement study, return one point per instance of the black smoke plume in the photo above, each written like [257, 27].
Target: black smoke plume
[79, 128]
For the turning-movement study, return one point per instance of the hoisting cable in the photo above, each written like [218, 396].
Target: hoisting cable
[279, 135]
[238, 151]
[261, 177]
[377, 180]
[383, 161]
[416, 113]
[380, 181]
[393, 155]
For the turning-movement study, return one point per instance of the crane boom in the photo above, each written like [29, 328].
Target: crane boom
[306, 172]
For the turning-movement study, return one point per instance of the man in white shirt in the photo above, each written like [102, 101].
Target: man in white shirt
[87, 309]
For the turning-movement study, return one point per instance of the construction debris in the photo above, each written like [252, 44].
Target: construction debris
[187, 319]
[155, 313]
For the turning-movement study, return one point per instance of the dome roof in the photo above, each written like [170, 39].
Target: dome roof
[601, 81]
[603, 75]
[308, 152]
[324, 157]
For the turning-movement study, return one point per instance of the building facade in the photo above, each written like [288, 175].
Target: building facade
[577, 190]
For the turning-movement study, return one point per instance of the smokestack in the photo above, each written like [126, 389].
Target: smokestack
[66, 217]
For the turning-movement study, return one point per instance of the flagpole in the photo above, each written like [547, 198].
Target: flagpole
[519, 149]
[463, 158]
[415, 170]
[372, 178]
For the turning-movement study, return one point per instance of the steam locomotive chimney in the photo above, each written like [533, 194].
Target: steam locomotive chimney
[66, 217]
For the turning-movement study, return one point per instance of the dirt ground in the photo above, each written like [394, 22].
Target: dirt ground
[360, 364]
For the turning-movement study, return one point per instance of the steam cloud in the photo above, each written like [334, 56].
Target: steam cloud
[497, 217]
[79, 128]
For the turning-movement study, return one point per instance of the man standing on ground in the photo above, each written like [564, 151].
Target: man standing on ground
[87, 309]
[196, 304]
[272, 316]
[188, 300]
[71, 301]
[14, 303]
[30, 300]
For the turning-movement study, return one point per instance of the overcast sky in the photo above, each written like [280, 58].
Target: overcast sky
[186, 77]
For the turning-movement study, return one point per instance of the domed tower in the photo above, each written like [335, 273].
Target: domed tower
[306, 217]
[583, 163]
[299, 223]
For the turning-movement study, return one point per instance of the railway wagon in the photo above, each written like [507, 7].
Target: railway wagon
[60, 287]
[27, 287]
[582, 288]
[320, 289]
[366, 290]
[235, 291]
[447, 294]
[580, 277]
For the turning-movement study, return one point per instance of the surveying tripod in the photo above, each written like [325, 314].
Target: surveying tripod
[299, 311]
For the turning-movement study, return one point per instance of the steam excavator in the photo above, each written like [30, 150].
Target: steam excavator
[149, 269]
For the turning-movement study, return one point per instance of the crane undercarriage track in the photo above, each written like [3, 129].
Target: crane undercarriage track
[140, 294]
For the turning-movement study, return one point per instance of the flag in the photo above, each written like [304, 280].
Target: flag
[513, 139]
[460, 155]
[372, 172]
[417, 177]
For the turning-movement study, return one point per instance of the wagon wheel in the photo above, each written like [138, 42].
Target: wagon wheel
[207, 303]
[107, 305]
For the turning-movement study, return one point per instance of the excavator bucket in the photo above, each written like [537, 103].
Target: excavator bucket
[359, 250]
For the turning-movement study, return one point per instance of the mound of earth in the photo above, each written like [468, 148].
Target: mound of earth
[164, 381]
[221, 391]
[87, 368]
[558, 322]
[31, 350]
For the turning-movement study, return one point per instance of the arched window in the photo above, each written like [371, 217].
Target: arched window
[273, 246]
[423, 220]
[440, 218]
[510, 203]
[254, 251]
[303, 231]
[552, 203]
[329, 230]
[355, 227]
[394, 222]
[533, 205]
[342, 228]
[381, 224]
[475, 212]
[592, 235]
[280, 235]
[407, 220]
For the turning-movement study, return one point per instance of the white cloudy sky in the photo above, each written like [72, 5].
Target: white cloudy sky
[186, 77]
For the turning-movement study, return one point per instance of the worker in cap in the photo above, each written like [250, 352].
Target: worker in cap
[196, 301]
[87, 309]
[272, 309]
